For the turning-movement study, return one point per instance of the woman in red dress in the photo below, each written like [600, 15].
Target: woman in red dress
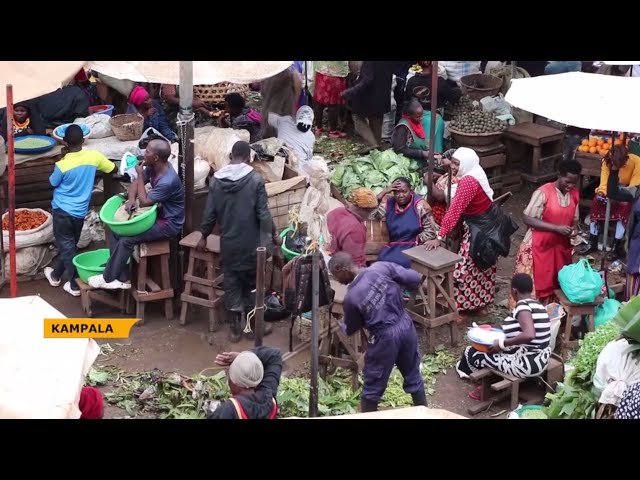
[552, 217]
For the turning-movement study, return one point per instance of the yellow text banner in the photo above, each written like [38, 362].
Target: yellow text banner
[88, 327]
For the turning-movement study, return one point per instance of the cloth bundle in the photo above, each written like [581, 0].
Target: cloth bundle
[315, 203]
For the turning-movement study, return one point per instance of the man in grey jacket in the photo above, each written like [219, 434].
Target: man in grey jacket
[238, 202]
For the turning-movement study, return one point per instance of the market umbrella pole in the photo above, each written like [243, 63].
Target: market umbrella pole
[607, 217]
[11, 166]
[186, 134]
[315, 333]
[432, 127]
[259, 308]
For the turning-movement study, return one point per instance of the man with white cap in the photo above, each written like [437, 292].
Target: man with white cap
[296, 133]
[253, 379]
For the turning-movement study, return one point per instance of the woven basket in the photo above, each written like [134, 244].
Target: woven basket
[128, 126]
[475, 139]
[215, 93]
[480, 85]
[302, 323]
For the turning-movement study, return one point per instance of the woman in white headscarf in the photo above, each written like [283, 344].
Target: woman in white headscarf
[486, 234]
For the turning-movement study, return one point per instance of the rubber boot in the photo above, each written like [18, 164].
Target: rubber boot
[592, 247]
[617, 252]
[368, 406]
[235, 329]
[420, 398]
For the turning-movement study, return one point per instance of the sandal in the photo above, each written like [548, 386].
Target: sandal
[476, 394]
[318, 132]
[334, 134]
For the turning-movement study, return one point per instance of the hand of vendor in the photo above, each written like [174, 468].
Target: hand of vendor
[495, 348]
[140, 169]
[130, 206]
[225, 359]
[202, 244]
[564, 231]
[277, 240]
[432, 244]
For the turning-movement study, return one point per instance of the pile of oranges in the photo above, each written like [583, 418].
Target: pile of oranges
[599, 146]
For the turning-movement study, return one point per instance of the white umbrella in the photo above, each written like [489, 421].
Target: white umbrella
[584, 100]
[613, 62]
[204, 73]
[32, 79]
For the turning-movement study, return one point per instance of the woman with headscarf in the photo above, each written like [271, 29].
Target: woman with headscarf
[25, 122]
[487, 232]
[330, 82]
[91, 404]
[154, 116]
[409, 222]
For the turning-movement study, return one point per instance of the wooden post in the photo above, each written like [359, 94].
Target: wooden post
[432, 127]
[259, 316]
[11, 167]
[315, 332]
[186, 121]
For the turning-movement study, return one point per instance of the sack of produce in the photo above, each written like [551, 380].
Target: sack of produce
[34, 226]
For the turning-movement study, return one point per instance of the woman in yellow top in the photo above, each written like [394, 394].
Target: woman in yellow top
[629, 175]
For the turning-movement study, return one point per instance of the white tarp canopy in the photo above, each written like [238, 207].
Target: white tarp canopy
[40, 378]
[204, 73]
[613, 62]
[32, 79]
[584, 100]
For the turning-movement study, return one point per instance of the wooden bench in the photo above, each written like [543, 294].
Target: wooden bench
[573, 309]
[88, 296]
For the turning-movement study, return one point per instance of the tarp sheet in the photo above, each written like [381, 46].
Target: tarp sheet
[40, 378]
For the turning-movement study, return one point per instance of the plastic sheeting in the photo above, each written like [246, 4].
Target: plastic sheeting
[204, 73]
[584, 100]
[32, 79]
[40, 378]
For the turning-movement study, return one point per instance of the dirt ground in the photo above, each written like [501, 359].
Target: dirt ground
[190, 349]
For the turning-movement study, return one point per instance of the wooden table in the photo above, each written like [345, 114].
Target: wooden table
[591, 167]
[546, 145]
[573, 309]
[436, 267]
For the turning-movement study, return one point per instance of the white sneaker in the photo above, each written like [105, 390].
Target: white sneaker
[67, 288]
[98, 281]
[48, 274]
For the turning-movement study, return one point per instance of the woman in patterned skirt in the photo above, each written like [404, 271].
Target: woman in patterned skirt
[525, 351]
[474, 287]
[330, 82]
[552, 217]
[629, 408]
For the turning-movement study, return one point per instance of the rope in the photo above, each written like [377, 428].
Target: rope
[250, 316]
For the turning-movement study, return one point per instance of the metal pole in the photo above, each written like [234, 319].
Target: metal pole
[607, 216]
[11, 166]
[260, 274]
[432, 128]
[315, 333]
[186, 134]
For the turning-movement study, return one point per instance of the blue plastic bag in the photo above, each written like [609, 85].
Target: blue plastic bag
[606, 311]
[580, 282]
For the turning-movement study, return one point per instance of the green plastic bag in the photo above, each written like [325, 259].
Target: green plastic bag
[606, 311]
[580, 282]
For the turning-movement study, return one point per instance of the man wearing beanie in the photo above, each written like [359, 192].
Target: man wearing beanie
[253, 379]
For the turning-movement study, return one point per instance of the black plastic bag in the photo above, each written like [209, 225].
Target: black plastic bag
[275, 309]
[490, 236]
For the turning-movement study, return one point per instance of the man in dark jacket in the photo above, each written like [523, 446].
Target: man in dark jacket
[238, 202]
[253, 379]
[370, 100]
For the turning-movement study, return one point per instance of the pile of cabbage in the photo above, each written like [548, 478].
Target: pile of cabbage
[376, 171]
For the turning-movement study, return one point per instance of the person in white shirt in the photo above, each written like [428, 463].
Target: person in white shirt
[296, 133]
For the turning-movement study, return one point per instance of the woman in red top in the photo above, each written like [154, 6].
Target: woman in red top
[486, 234]
[552, 218]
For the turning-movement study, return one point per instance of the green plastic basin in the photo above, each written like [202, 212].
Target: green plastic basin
[130, 228]
[288, 254]
[91, 263]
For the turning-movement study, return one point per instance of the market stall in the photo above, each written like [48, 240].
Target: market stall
[41, 378]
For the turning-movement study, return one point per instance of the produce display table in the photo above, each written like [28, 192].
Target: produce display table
[438, 307]
[534, 149]
[572, 309]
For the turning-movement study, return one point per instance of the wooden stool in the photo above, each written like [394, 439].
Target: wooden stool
[147, 289]
[502, 384]
[211, 286]
[87, 296]
[436, 268]
[336, 340]
[572, 310]
[547, 145]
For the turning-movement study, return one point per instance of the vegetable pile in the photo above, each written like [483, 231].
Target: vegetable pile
[477, 121]
[376, 171]
[170, 395]
[574, 398]
[464, 105]
[31, 143]
[25, 220]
